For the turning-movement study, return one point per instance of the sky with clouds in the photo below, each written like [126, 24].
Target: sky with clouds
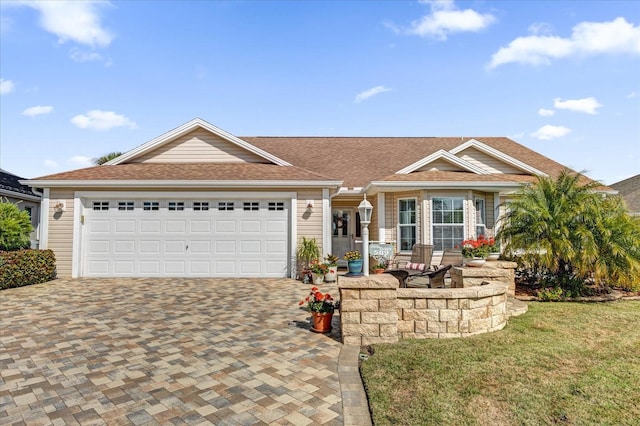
[81, 79]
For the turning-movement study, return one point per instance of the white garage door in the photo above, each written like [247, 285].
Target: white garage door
[185, 238]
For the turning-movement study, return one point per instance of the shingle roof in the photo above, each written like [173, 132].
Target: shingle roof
[10, 182]
[360, 160]
[629, 190]
[189, 171]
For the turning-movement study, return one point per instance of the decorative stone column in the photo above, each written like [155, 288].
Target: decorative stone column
[368, 309]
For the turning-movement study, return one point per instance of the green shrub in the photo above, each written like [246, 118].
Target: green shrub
[550, 294]
[26, 267]
[15, 227]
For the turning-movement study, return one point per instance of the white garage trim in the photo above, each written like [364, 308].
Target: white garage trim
[81, 197]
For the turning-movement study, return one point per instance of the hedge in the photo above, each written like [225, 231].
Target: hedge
[26, 267]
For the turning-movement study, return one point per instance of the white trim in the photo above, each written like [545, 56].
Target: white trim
[114, 184]
[326, 223]
[425, 218]
[444, 155]
[474, 143]
[293, 235]
[417, 185]
[186, 128]
[19, 195]
[382, 230]
[186, 194]
[77, 235]
[44, 220]
[496, 213]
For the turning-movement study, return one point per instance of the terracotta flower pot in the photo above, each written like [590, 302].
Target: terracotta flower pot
[321, 322]
[378, 271]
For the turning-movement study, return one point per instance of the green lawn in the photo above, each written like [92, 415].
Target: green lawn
[560, 363]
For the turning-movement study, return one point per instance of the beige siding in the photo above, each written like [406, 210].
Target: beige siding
[487, 162]
[202, 147]
[310, 223]
[439, 165]
[61, 230]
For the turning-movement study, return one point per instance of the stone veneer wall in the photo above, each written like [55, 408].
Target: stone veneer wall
[374, 310]
[494, 271]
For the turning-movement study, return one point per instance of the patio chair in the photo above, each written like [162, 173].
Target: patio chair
[435, 278]
[451, 257]
[421, 255]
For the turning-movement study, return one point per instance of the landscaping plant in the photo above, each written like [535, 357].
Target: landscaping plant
[15, 227]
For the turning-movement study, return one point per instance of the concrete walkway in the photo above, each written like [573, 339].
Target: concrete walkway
[159, 351]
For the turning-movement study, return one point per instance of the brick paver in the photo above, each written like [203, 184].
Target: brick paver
[165, 351]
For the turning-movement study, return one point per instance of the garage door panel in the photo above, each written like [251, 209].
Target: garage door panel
[191, 242]
[150, 226]
[149, 246]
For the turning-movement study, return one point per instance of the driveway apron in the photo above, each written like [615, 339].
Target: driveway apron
[165, 351]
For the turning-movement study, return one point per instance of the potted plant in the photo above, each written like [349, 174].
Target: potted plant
[332, 268]
[475, 252]
[308, 251]
[321, 307]
[494, 249]
[379, 268]
[318, 270]
[354, 262]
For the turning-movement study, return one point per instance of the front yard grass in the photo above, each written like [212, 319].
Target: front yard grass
[560, 363]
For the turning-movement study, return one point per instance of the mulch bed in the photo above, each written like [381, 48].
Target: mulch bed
[528, 293]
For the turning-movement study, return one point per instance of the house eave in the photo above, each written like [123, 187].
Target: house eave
[389, 186]
[113, 184]
[19, 195]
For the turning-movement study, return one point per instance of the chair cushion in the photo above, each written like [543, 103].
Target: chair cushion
[416, 266]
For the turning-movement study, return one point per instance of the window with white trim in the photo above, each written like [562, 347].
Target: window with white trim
[251, 206]
[151, 206]
[100, 205]
[481, 218]
[407, 223]
[125, 205]
[176, 205]
[200, 206]
[447, 221]
[276, 206]
[225, 205]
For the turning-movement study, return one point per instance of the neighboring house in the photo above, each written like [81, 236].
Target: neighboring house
[198, 201]
[629, 190]
[12, 190]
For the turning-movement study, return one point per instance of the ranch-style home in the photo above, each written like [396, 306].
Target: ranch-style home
[200, 202]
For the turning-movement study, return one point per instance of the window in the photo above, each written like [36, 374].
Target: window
[481, 218]
[407, 223]
[100, 205]
[225, 205]
[125, 205]
[448, 222]
[251, 206]
[29, 211]
[151, 206]
[200, 205]
[176, 205]
[276, 206]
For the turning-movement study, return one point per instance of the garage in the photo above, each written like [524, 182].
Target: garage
[185, 237]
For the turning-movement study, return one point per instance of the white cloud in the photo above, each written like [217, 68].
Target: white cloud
[445, 18]
[632, 95]
[586, 105]
[80, 160]
[50, 164]
[546, 112]
[548, 132]
[101, 120]
[587, 38]
[6, 86]
[37, 110]
[78, 21]
[83, 56]
[540, 28]
[363, 96]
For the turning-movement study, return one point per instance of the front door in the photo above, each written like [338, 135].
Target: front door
[343, 236]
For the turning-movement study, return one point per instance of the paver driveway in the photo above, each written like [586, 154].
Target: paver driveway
[159, 351]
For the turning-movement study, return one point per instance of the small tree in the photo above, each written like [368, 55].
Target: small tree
[107, 157]
[15, 227]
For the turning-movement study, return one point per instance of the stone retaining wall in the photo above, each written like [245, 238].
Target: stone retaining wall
[374, 310]
[494, 271]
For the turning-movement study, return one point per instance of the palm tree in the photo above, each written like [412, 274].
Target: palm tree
[108, 157]
[574, 232]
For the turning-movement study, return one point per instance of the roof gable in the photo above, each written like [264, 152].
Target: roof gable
[473, 145]
[197, 141]
[446, 156]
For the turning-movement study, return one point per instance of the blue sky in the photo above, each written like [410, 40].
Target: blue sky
[81, 79]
